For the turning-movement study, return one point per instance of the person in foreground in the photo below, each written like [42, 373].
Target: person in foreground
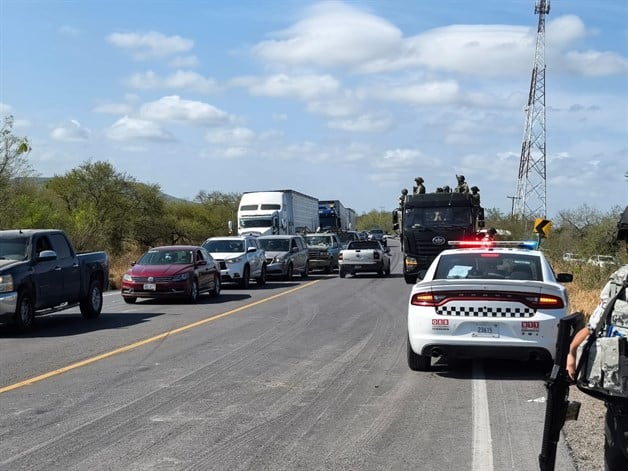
[608, 371]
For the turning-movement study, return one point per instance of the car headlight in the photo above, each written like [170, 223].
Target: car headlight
[280, 258]
[181, 277]
[127, 277]
[237, 259]
[6, 283]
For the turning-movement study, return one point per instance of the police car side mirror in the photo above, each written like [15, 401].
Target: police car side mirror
[564, 277]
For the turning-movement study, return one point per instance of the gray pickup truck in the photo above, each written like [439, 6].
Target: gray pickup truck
[40, 273]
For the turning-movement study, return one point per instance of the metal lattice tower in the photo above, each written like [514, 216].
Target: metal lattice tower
[530, 201]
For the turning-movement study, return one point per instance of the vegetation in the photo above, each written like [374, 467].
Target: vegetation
[103, 209]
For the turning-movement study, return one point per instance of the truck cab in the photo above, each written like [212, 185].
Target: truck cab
[427, 222]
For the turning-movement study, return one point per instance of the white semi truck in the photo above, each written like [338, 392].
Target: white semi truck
[277, 212]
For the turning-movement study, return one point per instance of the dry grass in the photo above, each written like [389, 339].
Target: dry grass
[118, 266]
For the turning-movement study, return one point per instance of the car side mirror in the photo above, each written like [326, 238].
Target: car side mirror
[564, 277]
[201, 262]
[46, 255]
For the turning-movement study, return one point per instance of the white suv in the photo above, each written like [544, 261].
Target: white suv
[240, 258]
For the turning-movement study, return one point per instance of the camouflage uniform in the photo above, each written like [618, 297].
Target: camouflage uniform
[462, 187]
[605, 370]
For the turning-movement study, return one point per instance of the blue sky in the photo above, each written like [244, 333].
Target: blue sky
[340, 100]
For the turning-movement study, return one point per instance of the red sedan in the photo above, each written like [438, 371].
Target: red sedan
[173, 271]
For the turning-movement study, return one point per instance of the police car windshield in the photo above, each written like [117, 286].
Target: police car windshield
[489, 266]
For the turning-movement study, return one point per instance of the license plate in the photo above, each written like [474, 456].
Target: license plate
[150, 286]
[483, 330]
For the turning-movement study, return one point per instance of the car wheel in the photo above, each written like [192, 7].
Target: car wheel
[387, 272]
[129, 300]
[417, 362]
[91, 305]
[193, 296]
[289, 272]
[341, 273]
[328, 268]
[217, 287]
[246, 278]
[410, 279]
[24, 317]
[261, 280]
[380, 272]
[306, 271]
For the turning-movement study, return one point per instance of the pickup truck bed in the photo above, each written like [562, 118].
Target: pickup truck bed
[364, 256]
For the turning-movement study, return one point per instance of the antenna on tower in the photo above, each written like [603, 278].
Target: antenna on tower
[530, 200]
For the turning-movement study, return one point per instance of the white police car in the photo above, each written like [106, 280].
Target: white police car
[486, 300]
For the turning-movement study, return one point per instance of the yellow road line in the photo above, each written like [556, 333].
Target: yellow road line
[135, 345]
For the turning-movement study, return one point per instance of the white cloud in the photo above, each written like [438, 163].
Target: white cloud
[304, 87]
[333, 34]
[150, 44]
[426, 93]
[184, 62]
[183, 80]
[132, 128]
[230, 136]
[5, 109]
[174, 109]
[70, 131]
[364, 123]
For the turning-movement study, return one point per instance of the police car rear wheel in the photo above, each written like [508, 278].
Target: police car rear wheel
[418, 362]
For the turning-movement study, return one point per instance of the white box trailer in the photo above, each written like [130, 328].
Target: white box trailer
[277, 212]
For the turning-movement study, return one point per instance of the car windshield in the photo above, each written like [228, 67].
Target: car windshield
[14, 248]
[234, 246]
[166, 257]
[275, 245]
[489, 265]
[319, 240]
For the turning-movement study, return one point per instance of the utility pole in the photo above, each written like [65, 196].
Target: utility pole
[512, 208]
[531, 185]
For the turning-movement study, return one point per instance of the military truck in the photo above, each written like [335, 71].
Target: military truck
[427, 222]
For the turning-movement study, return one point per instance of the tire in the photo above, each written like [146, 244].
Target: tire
[246, 278]
[306, 271]
[410, 279]
[341, 273]
[417, 362]
[91, 305]
[261, 279]
[328, 268]
[289, 273]
[380, 273]
[217, 287]
[129, 300]
[387, 271]
[193, 296]
[24, 317]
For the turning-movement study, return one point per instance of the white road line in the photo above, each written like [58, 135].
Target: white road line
[482, 441]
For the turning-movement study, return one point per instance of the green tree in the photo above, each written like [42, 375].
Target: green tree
[14, 166]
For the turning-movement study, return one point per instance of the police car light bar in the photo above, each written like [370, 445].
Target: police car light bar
[490, 244]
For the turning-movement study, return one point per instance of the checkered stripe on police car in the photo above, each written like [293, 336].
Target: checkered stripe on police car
[484, 311]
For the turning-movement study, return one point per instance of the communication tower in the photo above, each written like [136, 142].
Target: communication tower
[530, 200]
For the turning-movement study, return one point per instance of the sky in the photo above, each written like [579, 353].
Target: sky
[339, 100]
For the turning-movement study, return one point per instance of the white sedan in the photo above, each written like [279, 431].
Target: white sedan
[497, 300]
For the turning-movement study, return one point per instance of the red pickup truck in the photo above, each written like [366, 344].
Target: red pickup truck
[40, 273]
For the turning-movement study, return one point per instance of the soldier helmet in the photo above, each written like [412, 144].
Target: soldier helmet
[460, 178]
[404, 191]
[419, 179]
[475, 188]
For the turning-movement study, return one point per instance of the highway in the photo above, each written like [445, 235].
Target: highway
[309, 374]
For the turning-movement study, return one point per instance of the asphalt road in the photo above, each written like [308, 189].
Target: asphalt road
[309, 374]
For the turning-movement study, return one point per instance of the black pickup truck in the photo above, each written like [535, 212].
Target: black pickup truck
[40, 272]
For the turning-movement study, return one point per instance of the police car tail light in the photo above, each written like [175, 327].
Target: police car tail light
[545, 301]
[427, 299]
